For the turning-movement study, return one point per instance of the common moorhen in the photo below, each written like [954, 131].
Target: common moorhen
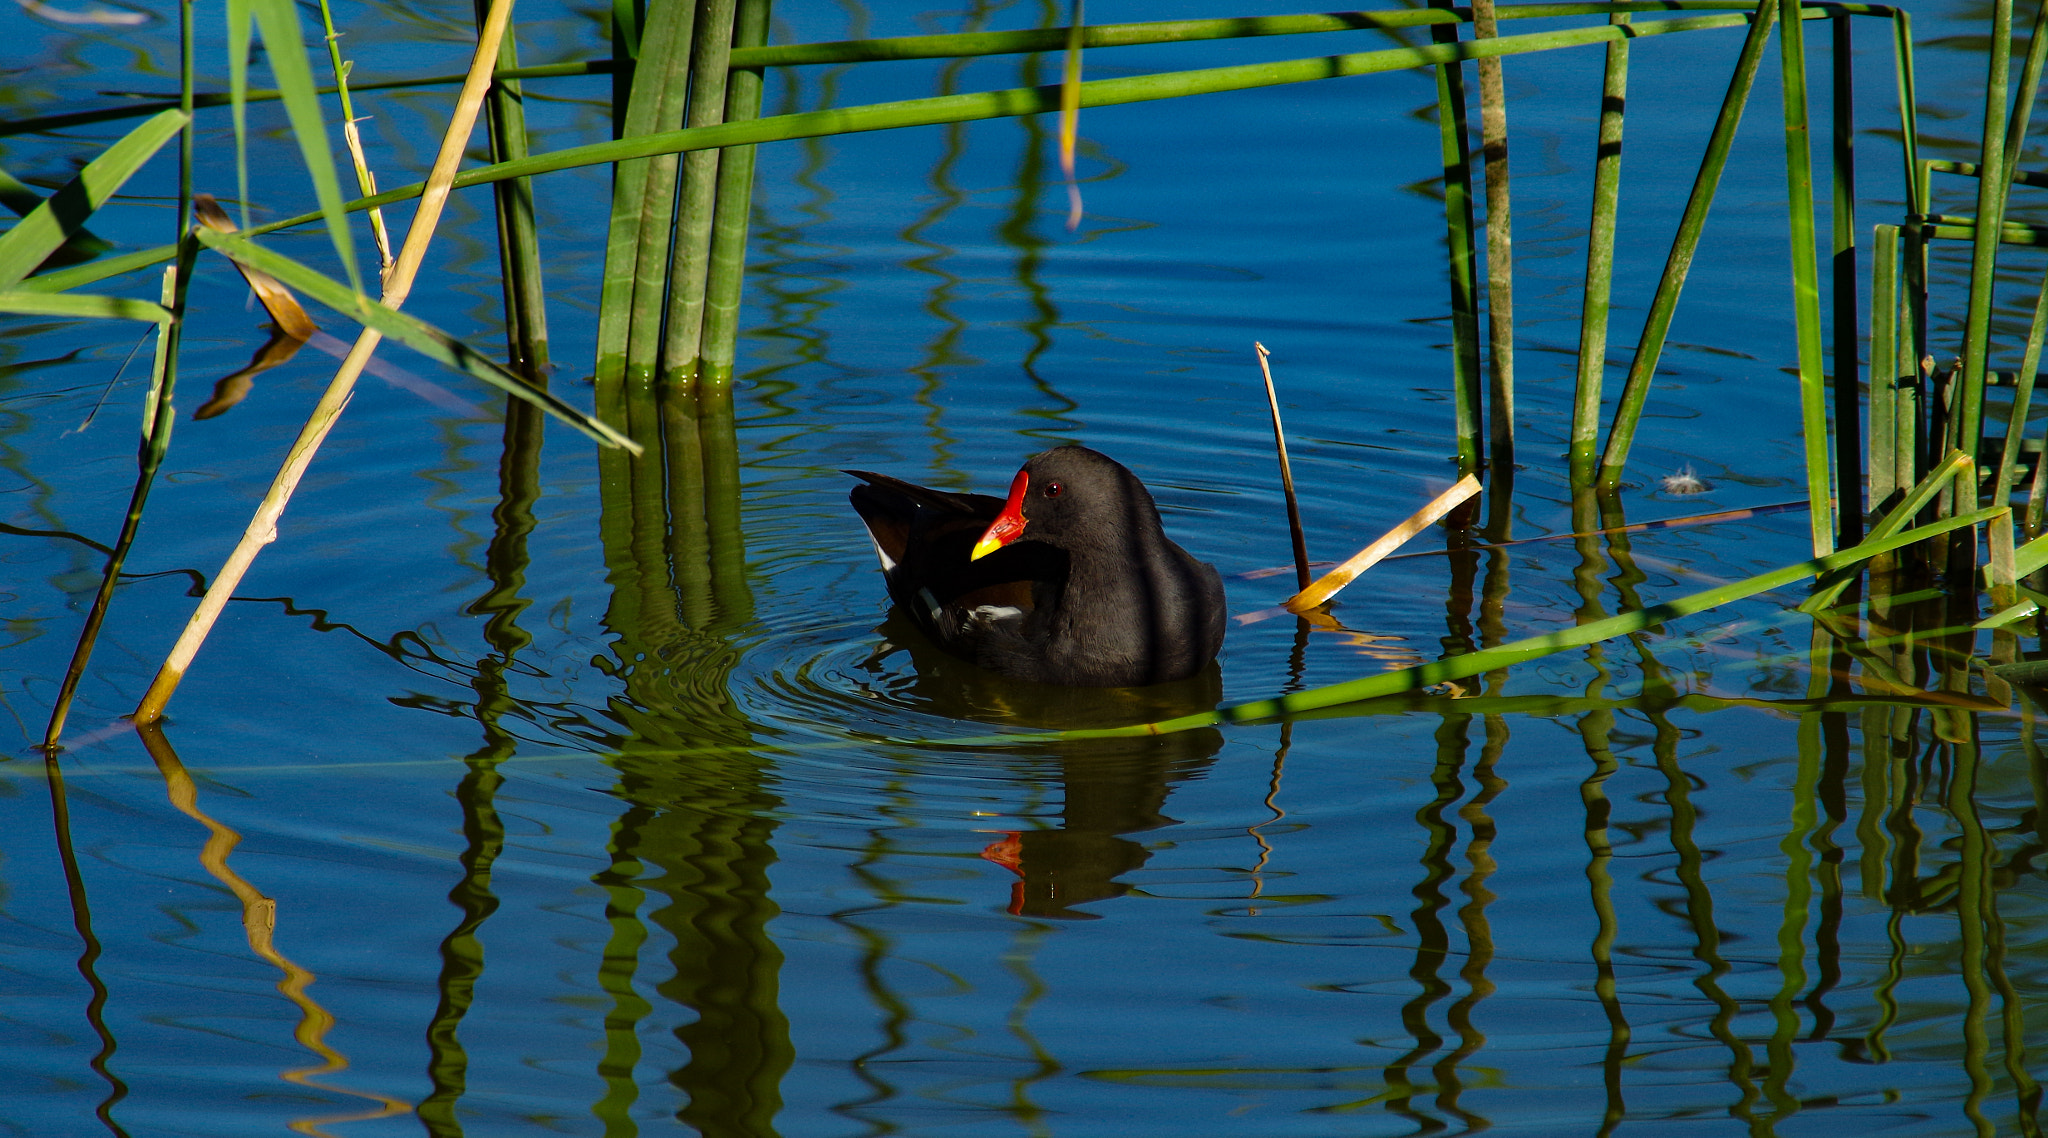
[1070, 581]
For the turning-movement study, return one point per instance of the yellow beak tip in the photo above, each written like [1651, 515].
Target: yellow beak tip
[983, 548]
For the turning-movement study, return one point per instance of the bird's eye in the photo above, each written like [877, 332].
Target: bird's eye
[1054, 489]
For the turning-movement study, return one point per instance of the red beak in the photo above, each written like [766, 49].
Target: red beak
[1009, 525]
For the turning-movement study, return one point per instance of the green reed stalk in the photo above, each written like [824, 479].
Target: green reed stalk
[1813, 400]
[1599, 263]
[525, 293]
[625, 28]
[719, 345]
[689, 260]
[2030, 87]
[156, 422]
[1909, 111]
[1520, 651]
[1971, 170]
[1848, 385]
[159, 415]
[1962, 229]
[1456, 141]
[1635, 390]
[1884, 372]
[643, 188]
[1914, 356]
[1991, 194]
[1500, 261]
[2015, 145]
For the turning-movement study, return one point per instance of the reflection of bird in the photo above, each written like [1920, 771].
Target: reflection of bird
[1113, 787]
[1109, 788]
[1071, 581]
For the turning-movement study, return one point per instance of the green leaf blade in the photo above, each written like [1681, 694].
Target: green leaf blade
[73, 304]
[52, 223]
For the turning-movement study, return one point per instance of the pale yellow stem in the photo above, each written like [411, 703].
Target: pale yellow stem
[1328, 585]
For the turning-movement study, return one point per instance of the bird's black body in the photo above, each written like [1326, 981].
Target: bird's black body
[1092, 593]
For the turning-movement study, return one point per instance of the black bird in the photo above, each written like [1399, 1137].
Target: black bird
[1070, 581]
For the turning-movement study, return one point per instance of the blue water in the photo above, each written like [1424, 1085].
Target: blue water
[640, 868]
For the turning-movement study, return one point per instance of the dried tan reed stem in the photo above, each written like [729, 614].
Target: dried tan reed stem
[1366, 558]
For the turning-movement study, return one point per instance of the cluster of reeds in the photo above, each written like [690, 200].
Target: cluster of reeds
[687, 81]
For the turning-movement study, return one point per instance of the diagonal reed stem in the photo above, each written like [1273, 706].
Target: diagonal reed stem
[1635, 391]
[1991, 194]
[262, 528]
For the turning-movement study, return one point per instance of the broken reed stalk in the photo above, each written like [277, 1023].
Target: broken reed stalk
[1336, 579]
[1286, 473]
[1883, 460]
[365, 180]
[262, 528]
[519, 259]
[1500, 269]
